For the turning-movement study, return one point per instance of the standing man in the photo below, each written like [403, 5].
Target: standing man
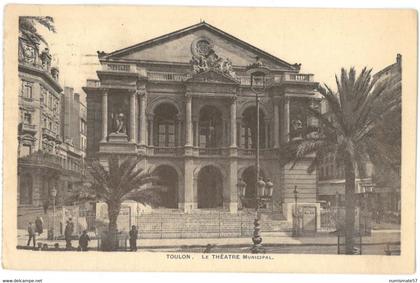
[68, 232]
[31, 232]
[39, 225]
[133, 238]
[84, 241]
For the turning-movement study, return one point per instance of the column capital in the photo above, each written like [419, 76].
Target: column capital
[188, 96]
[105, 91]
[233, 98]
[141, 92]
[150, 116]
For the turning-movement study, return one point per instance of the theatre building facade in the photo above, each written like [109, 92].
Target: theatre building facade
[184, 102]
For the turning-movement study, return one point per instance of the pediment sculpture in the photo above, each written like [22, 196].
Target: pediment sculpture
[211, 61]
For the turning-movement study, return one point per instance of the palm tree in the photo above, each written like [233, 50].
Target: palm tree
[350, 131]
[122, 180]
[27, 28]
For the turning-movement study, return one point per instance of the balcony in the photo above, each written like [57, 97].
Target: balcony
[165, 76]
[244, 80]
[120, 68]
[41, 159]
[210, 151]
[50, 134]
[28, 128]
[93, 83]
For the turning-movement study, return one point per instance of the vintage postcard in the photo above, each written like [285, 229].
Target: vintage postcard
[141, 138]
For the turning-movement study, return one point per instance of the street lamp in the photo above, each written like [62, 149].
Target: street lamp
[258, 80]
[53, 195]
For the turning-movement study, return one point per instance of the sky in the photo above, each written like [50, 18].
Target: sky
[322, 40]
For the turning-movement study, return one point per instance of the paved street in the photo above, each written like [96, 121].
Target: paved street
[320, 243]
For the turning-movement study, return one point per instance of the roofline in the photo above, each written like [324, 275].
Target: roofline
[180, 32]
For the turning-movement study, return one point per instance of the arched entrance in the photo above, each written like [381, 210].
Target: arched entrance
[168, 178]
[209, 188]
[249, 176]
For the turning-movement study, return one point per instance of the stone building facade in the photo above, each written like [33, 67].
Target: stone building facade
[45, 160]
[183, 101]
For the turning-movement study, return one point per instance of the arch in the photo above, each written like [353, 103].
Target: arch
[209, 187]
[218, 166]
[249, 176]
[221, 107]
[169, 179]
[251, 103]
[150, 110]
[26, 189]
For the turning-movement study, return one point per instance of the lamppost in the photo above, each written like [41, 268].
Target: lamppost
[264, 189]
[53, 195]
[296, 214]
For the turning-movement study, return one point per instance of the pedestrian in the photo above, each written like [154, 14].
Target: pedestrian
[39, 225]
[31, 233]
[68, 232]
[84, 241]
[133, 238]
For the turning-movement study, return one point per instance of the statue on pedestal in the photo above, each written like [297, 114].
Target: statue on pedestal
[119, 126]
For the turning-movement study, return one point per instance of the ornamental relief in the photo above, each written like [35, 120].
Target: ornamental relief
[205, 58]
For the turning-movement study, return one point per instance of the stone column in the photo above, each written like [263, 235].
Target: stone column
[189, 203]
[179, 130]
[233, 132]
[151, 126]
[238, 134]
[224, 131]
[143, 127]
[188, 122]
[104, 115]
[233, 181]
[286, 120]
[276, 133]
[196, 136]
[133, 125]
[266, 129]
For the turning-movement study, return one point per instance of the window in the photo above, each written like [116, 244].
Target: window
[27, 89]
[44, 95]
[50, 101]
[166, 135]
[50, 125]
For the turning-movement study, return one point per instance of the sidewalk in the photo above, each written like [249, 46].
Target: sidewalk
[270, 239]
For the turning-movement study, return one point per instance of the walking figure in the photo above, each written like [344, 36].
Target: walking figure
[84, 241]
[133, 238]
[31, 233]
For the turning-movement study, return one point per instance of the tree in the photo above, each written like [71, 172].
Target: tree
[122, 180]
[28, 29]
[350, 131]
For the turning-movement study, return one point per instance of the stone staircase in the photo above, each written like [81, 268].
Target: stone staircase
[206, 224]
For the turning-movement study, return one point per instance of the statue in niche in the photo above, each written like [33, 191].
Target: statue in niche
[297, 130]
[119, 126]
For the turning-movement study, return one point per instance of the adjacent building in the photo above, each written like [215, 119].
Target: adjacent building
[48, 159]
[381, 186]
[184, 102]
